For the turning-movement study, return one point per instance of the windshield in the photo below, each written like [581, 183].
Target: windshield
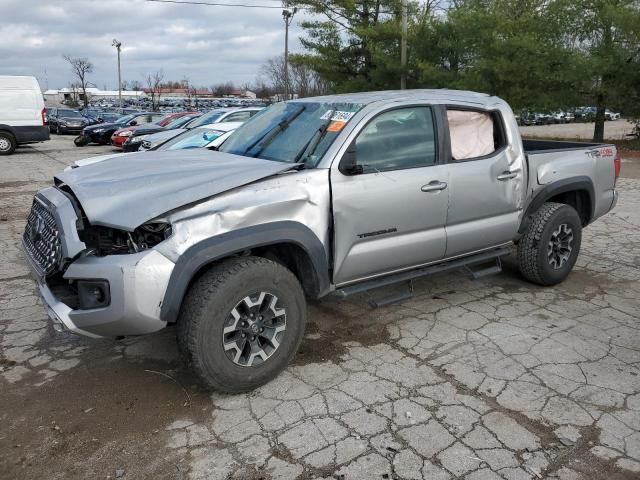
[291, 131]
[125, 120]
[196, 138]
[177, 122]
[69, 114]
[205, 119]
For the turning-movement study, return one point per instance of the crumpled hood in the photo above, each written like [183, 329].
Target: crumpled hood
[126, 192]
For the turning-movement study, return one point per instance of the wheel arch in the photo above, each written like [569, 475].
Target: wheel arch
[8, 129]
[577, 192]
[291, 244]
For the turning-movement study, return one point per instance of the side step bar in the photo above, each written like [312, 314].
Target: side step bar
[408, 275]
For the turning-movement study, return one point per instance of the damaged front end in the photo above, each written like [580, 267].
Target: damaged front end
[101, 241]
[95, 280]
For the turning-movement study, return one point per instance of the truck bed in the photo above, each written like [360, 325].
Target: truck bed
[547, 146]
[552, 161]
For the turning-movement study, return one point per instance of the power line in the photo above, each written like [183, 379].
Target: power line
[215, 4]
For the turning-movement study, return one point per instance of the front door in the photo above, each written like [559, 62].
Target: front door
[390, 207]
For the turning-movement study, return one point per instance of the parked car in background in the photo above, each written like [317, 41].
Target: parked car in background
[609, 115]
[108, 117]
[224, 115]
[543, 119]
[129, 139]
[23, 116]
[585, 114]
[66, 120]
[559, 117]
[208, 136]
[101, 133]
[199, 137]
[340, 194]
[172, 116]
[220, 115]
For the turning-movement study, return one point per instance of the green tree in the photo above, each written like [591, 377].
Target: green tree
[512, 48]
[606, 34]
[355, 44]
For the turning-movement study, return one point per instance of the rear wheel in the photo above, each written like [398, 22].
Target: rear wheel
[241, 323]
[549, 248]
[7, 143]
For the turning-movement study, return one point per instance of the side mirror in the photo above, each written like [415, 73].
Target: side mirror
[133, 123]
[100, 120]
[349, 162]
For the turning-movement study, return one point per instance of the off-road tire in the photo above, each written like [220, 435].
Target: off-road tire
[208, 304]
[532, 249]
[8, 143]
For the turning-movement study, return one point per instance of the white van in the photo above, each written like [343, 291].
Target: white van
[22, 114]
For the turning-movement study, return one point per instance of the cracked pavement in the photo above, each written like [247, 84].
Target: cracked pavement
[488, 379]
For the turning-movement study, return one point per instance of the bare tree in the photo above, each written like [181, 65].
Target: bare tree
[274, 71]
[222, 89]
[188, 89]
[303, 80]
[154, 88]
[81, 67]
[132, 85]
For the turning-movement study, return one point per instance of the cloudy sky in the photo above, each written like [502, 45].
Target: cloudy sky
[206, 44]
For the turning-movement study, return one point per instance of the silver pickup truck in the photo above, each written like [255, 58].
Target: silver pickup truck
[327, 195]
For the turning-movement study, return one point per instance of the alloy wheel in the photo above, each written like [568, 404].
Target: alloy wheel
[253, 329]
[559, 247]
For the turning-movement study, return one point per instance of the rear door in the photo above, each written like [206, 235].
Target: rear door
[486, 181]
[390, 208]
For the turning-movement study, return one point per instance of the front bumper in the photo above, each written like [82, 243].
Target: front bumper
[71, 128]
[118, 141]
[130, 146]
[137, 285]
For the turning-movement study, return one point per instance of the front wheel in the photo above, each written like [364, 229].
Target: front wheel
[549, 248]
[7, 143]
[241, 323]
[82, 140]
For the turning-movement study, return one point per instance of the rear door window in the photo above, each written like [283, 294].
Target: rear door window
[474, 134]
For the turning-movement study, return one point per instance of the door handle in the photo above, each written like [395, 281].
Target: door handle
[434, 186]
[507, 176]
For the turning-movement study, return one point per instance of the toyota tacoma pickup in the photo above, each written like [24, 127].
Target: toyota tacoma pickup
[317, 196]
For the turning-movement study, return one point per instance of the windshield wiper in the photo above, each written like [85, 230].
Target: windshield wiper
[310, 147]
[269, 136]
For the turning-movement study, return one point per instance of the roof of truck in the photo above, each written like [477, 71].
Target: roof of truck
[417, 94]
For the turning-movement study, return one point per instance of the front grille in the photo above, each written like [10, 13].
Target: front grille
[41, 239]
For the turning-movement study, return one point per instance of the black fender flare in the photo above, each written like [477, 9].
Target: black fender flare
[557, 188]
[217, 247]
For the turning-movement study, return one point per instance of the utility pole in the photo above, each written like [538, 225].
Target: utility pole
[118, 45]
[288, 18]
[403, 47]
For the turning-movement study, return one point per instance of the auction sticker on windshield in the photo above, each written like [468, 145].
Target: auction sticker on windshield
[337, 116]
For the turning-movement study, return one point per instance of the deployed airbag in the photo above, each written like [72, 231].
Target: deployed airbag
[471, 134]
